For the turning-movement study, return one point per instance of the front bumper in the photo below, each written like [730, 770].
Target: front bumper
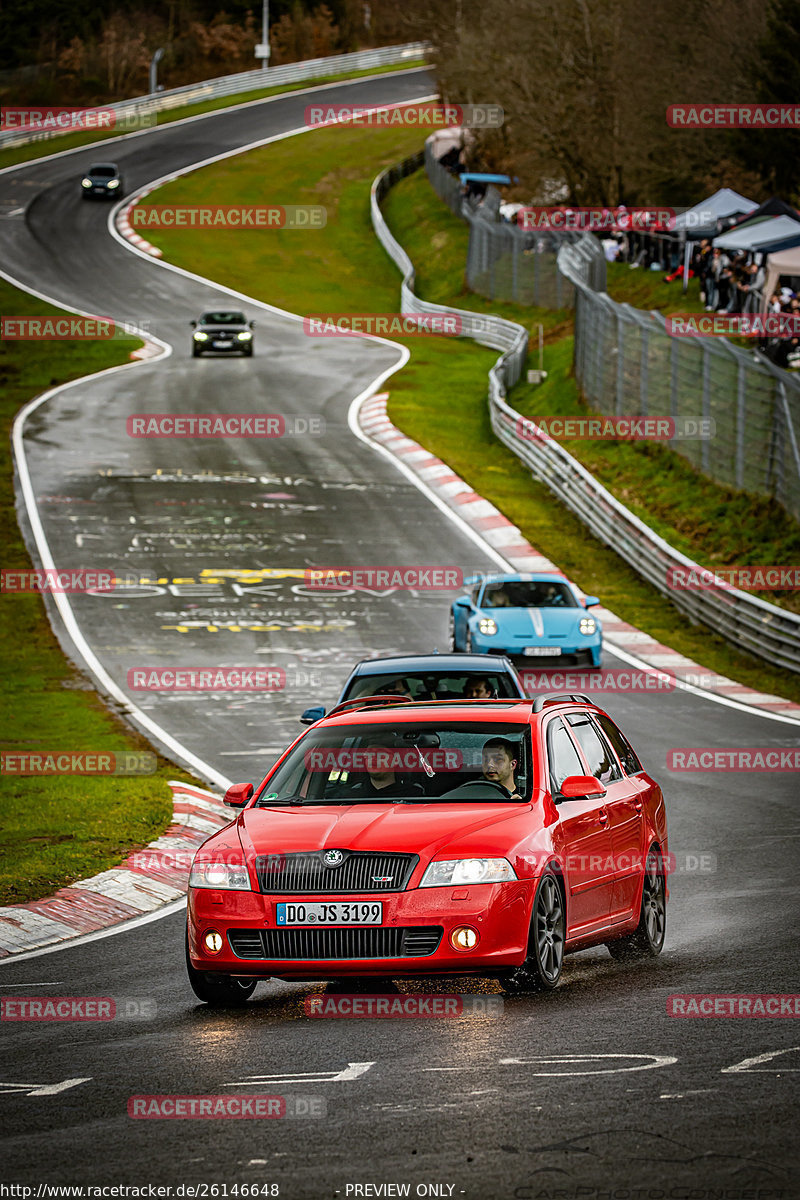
[579, 648]
[500, 914]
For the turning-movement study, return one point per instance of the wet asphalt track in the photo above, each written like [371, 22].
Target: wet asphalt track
[467, 1104]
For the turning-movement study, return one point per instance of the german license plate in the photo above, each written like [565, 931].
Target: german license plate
[349, 912]
[541, 651]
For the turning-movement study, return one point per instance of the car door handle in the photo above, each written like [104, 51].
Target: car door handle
[603, 815]
[637, 804]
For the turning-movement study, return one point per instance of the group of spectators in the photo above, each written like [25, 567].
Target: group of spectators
[729, 283]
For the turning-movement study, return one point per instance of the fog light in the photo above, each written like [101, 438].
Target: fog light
[212, 941]
[464, 938]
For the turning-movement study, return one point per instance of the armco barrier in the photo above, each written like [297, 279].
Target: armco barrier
[244, 81]
[752, 624]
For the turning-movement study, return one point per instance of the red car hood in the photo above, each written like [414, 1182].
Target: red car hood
[395, 828]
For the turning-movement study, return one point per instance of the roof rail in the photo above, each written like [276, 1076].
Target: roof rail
[554, 697]
[374, 701]
[367, 702]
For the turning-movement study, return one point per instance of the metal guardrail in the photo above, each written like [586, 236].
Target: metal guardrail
[746, 621]
[140, 108]
[627, 364]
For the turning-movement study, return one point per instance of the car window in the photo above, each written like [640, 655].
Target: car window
[223, 318]
[424, 761]
[625, 752]
[601, 762]
[103, 171]
[562, 755]
[431, 685]
[528, 594]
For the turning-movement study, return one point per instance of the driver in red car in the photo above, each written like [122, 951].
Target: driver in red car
[499, 765]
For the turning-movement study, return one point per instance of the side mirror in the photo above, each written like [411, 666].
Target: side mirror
[238, 794]
[579, 787]
[252, 324]
[462, 602]
[590, 601]
[193, 324]
[312, 715]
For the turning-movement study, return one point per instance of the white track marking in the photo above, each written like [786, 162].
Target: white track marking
[749, 1065]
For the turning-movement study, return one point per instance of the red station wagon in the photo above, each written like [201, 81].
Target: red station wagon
[421, 839]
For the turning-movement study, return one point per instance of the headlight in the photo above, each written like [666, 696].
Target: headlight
[86, 183]
[231, 876]
[468, 870]
[488, 626]
[113, 183]
[587, 625]
[244, 337]
[201, 337]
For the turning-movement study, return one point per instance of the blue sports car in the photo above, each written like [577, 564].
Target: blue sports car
[530, 616]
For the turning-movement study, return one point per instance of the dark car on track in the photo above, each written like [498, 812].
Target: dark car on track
[222, 332]
[102, 179]
[425, 839]
[428, 677]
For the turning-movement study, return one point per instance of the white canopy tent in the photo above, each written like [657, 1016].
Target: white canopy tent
[780, 232]
[701, 221]
[782, 262]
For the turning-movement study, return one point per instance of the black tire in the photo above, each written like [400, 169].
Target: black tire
[647, 940]
[196, 352]
[219, 991]
[541, 970]
[451, 633]
[248, 352]
[468, 642]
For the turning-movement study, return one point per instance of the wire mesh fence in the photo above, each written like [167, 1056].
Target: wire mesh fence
[744, 410]
[627, 364]
[505, 262]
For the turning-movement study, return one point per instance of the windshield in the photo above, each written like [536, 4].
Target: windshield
[106, 172]
[223, 318]
[518, 594]
[427, 762]
[435, 685]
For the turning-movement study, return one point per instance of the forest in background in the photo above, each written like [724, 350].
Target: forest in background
[584, 83]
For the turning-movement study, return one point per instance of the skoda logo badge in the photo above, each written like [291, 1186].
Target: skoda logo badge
[333, 858]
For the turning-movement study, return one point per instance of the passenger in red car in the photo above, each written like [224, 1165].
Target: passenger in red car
[499, 765]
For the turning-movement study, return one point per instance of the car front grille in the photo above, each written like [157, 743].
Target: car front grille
[288, 944]
[359, 871]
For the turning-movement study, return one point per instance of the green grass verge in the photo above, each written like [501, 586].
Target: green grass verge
[342, 268]
[23, 154]
[56, 829]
